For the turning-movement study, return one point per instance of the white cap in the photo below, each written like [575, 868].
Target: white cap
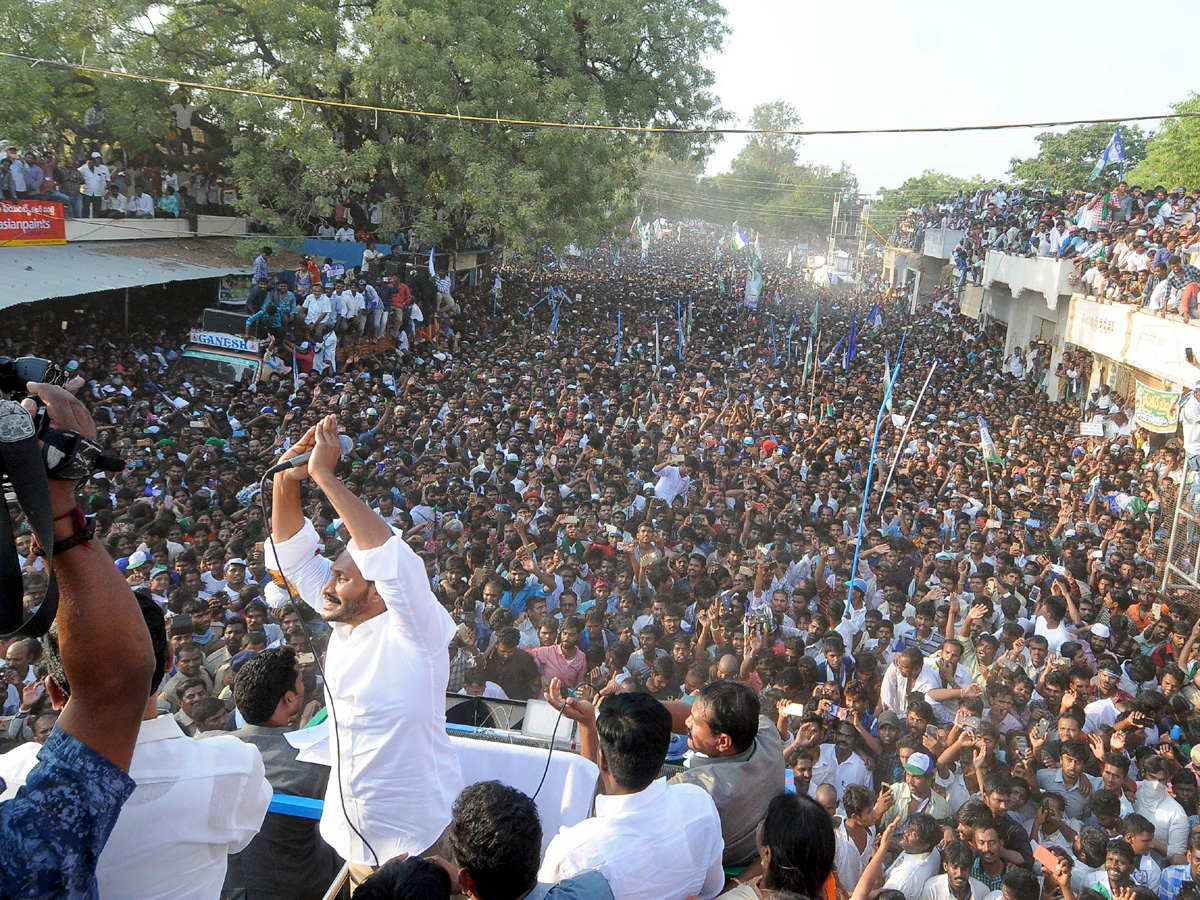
[919, 764]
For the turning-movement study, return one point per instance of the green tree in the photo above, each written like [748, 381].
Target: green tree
[1173, 153]
[599, 63]
[603, 63]
[45, 107]
[766, 187]
[672, 188]
[1066, 160]
[770, 155]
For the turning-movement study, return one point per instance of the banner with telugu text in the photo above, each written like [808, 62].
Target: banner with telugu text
[27, 222]
[1156, 410]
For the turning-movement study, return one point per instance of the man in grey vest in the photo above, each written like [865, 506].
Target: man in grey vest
[288, 859]
[738, 761]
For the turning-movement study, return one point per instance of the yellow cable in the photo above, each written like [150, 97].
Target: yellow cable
[578, 126]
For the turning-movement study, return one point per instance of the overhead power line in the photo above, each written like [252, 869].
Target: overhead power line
[575, 126]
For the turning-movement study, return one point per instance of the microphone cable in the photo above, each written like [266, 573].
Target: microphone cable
[329, 697]
[550, 752]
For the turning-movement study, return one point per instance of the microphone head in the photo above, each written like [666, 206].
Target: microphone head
[346, 443]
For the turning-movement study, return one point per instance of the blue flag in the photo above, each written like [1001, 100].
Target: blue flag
[875, 319]
[852, 344]
[1114, 151]
[834, 352]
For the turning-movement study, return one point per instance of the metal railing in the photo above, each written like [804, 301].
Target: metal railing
[1180, 558]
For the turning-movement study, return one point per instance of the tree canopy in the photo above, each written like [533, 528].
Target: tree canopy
[767, 187]
[1066, 160]
[1173, 153]
[607, 63]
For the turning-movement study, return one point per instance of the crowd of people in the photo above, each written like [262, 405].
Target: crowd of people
[1128, 244]
[97, 186]
[659, 510]
[110, 183]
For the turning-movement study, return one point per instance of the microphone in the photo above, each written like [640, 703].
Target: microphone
[344, 441]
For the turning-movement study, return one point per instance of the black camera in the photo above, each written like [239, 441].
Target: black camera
[15, 374]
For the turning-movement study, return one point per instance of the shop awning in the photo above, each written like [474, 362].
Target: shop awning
[30, 274]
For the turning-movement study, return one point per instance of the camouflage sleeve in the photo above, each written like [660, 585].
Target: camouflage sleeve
[52, 831]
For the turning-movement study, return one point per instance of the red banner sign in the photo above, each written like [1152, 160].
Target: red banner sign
[27, 222]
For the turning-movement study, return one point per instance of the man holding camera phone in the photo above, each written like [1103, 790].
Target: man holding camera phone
[394, 773]
[52, 832]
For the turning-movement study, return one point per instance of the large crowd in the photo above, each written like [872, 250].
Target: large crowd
[687, 524]
[95, 180]
[1128, 244]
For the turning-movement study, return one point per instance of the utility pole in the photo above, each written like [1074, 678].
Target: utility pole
[865, 217]
[837, 202]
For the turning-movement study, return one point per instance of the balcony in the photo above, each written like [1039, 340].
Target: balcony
[940, 242]
[152, 229]
[1052, 278]
[1135, 337]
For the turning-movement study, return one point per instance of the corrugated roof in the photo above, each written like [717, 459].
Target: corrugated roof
[43, 273]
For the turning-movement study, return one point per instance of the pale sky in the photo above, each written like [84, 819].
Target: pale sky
[878, 64]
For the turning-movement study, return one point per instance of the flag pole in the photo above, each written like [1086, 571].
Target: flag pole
[657, 358]
[987, 473]
[812, 393]
[862, 516]
[904, 435]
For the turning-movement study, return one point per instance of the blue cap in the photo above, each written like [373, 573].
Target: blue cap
[857, 583]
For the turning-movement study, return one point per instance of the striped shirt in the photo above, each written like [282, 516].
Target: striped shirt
[1185, 276]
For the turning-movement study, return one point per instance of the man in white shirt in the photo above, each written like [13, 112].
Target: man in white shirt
[849, 766]
[956, 883]
[394, 772]
[920, 860]
[650, 841]
[475, 684]
[318, 307]
[115, 205]
[673, 480]
[340, 300]
[321, 316]
[141, 206]
[1058, 235]
[195, 801]
[1103, 710]
[1168, 817]
[854, 837]
[354, 305]
[94, 185]
[907, 672]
